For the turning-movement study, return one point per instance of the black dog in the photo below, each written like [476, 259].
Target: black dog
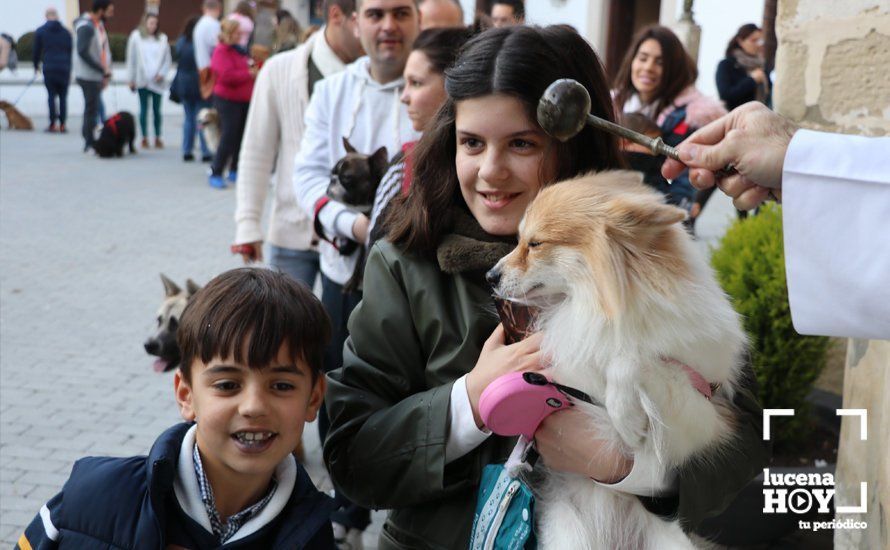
[117, 131]
[354, 182]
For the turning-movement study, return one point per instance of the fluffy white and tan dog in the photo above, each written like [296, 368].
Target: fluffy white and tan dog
[632, 315]
[208, 123]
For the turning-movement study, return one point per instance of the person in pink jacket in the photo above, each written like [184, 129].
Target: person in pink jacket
[235, 74]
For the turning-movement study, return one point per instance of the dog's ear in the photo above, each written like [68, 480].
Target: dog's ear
[348, 146]
[191, 287]
[379, 162]
[170, 288]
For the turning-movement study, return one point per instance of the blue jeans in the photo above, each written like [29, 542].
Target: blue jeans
[190, 127]
[339, 305]
[302, 265]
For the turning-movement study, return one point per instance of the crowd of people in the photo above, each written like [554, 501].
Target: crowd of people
[409, 351]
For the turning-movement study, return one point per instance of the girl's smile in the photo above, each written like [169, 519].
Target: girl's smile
[503, 159]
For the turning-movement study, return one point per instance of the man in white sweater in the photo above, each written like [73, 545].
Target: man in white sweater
[275, 124]
[206, 33]
[361, 104]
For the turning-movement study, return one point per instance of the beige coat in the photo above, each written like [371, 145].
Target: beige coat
[271, 141]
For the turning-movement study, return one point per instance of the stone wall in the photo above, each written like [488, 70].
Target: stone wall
[832, 65]
[833, 74]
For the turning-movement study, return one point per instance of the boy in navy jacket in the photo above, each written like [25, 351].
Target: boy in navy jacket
[252, 343]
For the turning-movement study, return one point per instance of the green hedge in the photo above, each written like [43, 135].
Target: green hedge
[118, 42]
[24, 47]
[750, 265]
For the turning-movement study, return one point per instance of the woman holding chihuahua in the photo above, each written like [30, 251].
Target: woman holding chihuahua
[148, 60]
[406, 432]
[235, 73]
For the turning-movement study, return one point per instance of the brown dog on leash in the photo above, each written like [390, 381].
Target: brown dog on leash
[17, 120]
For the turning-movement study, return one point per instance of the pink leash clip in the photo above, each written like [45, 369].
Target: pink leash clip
[517, 403]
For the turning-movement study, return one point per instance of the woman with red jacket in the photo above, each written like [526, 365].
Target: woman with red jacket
[235, 74]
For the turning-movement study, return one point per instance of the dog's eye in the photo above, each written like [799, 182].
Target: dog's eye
[534, 244]
[174, 324]
[160, 320]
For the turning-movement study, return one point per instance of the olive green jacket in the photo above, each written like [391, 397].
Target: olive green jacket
[416, 331]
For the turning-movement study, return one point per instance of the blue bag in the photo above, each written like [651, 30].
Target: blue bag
[505, 513]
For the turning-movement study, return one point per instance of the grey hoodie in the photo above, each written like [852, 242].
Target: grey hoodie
[88, 50]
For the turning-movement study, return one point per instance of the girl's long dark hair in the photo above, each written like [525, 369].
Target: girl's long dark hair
[516, 61]
[678, 70]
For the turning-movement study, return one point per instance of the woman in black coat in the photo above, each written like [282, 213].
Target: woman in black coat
[740, 78]
[186, 86]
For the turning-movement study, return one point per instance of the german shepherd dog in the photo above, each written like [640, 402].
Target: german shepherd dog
[119, 130]
[162, 344]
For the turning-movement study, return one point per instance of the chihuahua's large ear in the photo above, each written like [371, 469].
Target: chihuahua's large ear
[191, 287]
[379, 162]
[348, 146]
[170, 288]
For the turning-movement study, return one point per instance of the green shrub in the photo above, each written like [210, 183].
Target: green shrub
[750, 265]
[118, 43]
[24, 48]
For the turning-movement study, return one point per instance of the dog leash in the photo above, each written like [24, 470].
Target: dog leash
[28, 85]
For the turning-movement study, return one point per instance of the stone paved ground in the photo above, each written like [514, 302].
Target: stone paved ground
[82, 241]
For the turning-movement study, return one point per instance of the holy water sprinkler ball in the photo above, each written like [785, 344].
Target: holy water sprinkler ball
[563, 109]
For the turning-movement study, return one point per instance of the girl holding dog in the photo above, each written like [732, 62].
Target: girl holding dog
[406, 433]
[148, 60]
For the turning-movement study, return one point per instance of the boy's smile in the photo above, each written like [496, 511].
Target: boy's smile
[249, 420]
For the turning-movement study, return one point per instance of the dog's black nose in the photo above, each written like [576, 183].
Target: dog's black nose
[152, 347]
[493, 276]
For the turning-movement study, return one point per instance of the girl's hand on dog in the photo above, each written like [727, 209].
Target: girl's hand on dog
[568, 441]
[497, 359]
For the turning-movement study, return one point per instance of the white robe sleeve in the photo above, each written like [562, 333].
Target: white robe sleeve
[836, 217]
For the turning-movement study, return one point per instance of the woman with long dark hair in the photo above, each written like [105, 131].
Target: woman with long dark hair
[433, 51]
[657, 79]
[740, 76]
[405, 432]
[187, 87]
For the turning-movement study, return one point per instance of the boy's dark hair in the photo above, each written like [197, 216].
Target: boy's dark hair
[517, 5]
[247, 314]
[100, 5]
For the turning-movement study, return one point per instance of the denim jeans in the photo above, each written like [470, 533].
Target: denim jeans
[57, 88]
[146, 95]
[232, 118]
[91, 90]
[302, 265]
[339, 306]
[190, 127]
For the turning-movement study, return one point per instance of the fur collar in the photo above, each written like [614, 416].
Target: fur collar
[469, 247]
[700, 109]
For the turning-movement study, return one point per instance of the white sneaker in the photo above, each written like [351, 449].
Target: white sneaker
[347, 538]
